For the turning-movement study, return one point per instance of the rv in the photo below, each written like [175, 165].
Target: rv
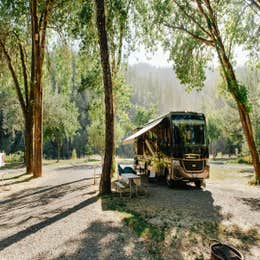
[173, 147]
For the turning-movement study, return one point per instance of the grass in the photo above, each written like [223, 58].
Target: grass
[230, 171]
[18, 165]
[174, 237]
[241, 160]
[254, 181]
[233, 171]
[12, 165]
[152, 235]
[155, 237]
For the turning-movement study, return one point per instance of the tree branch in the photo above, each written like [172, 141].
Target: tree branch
[240, 15]
[193, 19]
[43, 29]
[14, 76]
[256, 3]
[181, 28]
[212, 22]
[25, 77]
[202, 11]
[119, 53]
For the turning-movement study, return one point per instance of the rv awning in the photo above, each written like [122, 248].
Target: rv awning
[148, 127]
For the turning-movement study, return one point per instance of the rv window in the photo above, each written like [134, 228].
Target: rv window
[189, 134]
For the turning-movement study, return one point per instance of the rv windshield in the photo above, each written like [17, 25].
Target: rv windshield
[189, 131]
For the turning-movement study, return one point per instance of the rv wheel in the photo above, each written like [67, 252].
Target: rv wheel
[198, 183]
[169, 181]
[146, 171]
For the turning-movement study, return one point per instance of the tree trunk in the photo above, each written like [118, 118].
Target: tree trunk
[233, 85]
[58, 147]
[38, 35]
[243, 113]
[29, 142]
[27, 108]
[248, 132]
[38, 130]
[105, 182]
[37, 89]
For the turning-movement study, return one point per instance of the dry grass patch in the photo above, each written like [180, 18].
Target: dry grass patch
[172, 234]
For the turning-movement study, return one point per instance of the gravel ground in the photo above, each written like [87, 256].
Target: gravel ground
[61, 217]
[228, 210]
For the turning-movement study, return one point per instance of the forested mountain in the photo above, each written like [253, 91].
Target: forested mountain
[160, 86]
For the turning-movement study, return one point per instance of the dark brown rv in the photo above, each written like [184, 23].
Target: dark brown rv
[173, 146]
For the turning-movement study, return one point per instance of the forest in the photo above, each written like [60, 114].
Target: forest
[52, 72]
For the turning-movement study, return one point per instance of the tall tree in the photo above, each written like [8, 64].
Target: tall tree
[40, 11]
[14, 43]
[24, 25]
[191, 29]
[105, 183]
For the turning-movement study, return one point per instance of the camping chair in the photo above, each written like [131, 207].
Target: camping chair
[120, 169]
[129, 169]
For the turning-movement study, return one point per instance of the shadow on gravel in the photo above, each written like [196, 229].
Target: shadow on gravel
[76, 166]
[172, 220]
[14, 177]
[16, 165]
[247, 170]
[48, 191]
[21, 206]
[253, 203]
[17, 180]
[101, 240]
[8, 241]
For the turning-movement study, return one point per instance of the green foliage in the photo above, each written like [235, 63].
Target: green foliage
[88, 150]
[182, 30]
[96, 136]
[242, 94]
[15, 157]
[214, 127]
[190, 61]
[9, 105]
[74, 154]
[91, 81]
[59, 116]
[87, 12]
[142, 115]
[60, 112]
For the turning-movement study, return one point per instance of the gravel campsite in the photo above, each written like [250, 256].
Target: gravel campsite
[63, 212]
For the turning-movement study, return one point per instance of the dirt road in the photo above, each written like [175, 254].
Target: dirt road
[60, 216]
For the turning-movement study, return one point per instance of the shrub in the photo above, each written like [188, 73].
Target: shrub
[15, 157]
[74, 154]
[245, 159]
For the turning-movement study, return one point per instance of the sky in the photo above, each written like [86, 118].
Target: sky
[160, 58]
[157, 59]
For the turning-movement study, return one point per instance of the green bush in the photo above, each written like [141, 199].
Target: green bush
[74, 154]
[15, 157]
[88, 150]
[245, 159]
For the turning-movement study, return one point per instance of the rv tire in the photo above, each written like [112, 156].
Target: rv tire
[198, 183]
[168, 179]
